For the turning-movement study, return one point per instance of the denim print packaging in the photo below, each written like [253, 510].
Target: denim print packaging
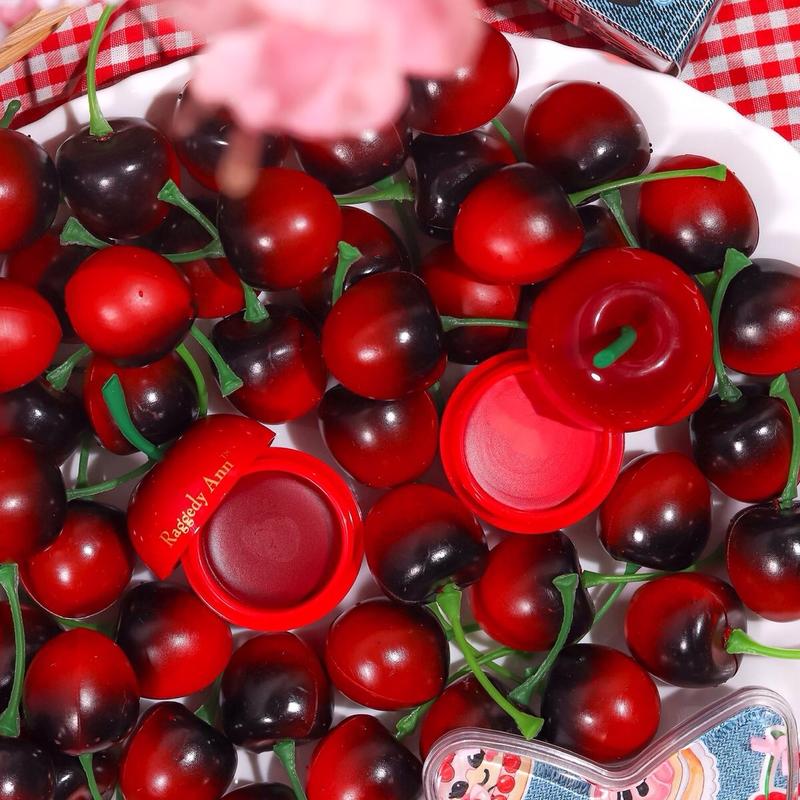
[743, 748]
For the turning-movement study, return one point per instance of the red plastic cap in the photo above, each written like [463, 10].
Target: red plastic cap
[511, 463]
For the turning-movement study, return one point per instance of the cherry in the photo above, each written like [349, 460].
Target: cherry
[447, 168]
[600, 703]
[33, 501]
[80, 693]
[515, 600]
[26, 771]
[381, 443]
[130, 305]
[384, 339]
[456, 293]
[658, 514]
[54, 421]
[161, 398]
[463, 704]
[86, 567]
[175, 643]
[693, 221]
[173, 753]
[360, 759]
[418, 539]
[262, 791]
[473, 96]
[601, 229]
[583, 134]
[694, 613]
[387, 656]
[279, 360]
[517, 226]
[285, 232]
[70, 779]
[29, 337]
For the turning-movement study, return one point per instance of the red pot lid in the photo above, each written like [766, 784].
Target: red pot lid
[515, 465]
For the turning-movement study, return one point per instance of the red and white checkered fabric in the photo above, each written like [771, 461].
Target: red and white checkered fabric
[749, 57]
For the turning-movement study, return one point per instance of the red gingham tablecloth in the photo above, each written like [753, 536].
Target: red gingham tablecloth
[749, 57]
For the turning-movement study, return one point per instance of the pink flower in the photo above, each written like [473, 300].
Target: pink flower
[323, 68]
[775, 746]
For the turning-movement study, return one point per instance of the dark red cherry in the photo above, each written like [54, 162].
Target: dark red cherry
[262, 791]
[112, 182]
[384, 338]
[463, 704]
[70, 782]
[279, 360]
[274, 688]
[677, 627]
[743, 447]
[600, 704]
[360, 759]
[54, 421]
[130, 305]
[457, 293]
[381, 443]
[693, 221]
[759, 324]
[33, 500]
[173, 753]
[175, 643]
[517, 226]
[658, 514]
[584, 134]
[387, 656]
[161, 398]
[515, 600]
[447, 168]
[26, 771]
[473, 96]
[80, 693]
[600, 228]
[418, 539]
[285, 232]
[86, 567]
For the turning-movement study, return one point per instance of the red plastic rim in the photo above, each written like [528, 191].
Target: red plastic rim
[514, 466]
[206, 584]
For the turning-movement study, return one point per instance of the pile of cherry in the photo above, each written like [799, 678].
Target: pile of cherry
[137, 264]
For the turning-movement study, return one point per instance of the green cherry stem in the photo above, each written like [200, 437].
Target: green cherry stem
[449, 600]
[348, 255]
[229, 381]
[630, 569]
[285, 753]
[10, 112]
[199, 379]
[117, 406]
[451, 323]
[80, 492]
[82, 480]
[405, 218]
[740, 642]
[74, 232]
[98, 124]
[170, 193]
[9, 719]
[86, 762]
[509, 139]
[399, 191]
[209, 710]
[717, 173]
[609, 355]
[708, 280]
[59, 377]
[780, 388]
[254, 310]
[613, 202]
[212, 250]
[566, 585]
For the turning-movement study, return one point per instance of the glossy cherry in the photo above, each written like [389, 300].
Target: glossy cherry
[130, 305]
[161, 398]
[383, 338]
[360, 759]
[29, 337]
[476, 93]
[515, 600]
[173, 753]
[695, 614]
[54, 421]
[447, 168]
[517, 226]
[26, 771]
[600, 704]
[387, 656]
[33, 501]
[419, 538]
[262, 791]
[80, 693]
[279, 360]
[693, 221]
[584, 134]
[600, 228]
[285, 232]
[658, 514]
[70, 779]
[381, 443]
[175, 643]
[457, 293]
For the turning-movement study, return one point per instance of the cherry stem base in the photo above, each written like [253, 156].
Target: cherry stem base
[400, 191]
[74, 232]
[613, 202]
[59, 377]
[87, 760]
[739, 642]
[199, 379]
[451, 323]
[117, 406]
[229, 381]
[406, 219]
[285, 753]
[348, 255]
[9, 719]
[780, 388]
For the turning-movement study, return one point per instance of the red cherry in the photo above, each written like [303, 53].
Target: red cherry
[511, 762]
[446, 771]
[129, 304]
[29, 336]
[505, 783]
[477, 93]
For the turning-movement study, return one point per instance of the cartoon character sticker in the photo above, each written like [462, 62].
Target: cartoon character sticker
[476, 774]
